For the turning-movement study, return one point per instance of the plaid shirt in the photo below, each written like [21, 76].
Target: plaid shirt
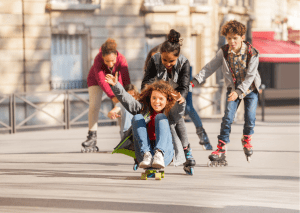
[237, 62]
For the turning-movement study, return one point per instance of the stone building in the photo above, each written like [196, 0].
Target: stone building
[50, 44]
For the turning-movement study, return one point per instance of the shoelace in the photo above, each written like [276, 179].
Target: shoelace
[247, 140]
[220, 147]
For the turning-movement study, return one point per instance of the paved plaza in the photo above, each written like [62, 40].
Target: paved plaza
[44, 171]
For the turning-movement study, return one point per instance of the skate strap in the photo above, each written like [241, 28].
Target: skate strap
[247, 141]
[220, 147]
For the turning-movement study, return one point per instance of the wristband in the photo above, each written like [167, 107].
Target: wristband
[193, 85]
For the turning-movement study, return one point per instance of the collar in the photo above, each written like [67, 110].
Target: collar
[242, 51]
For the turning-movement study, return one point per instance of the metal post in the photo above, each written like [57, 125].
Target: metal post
[13, 113]
[263, 87]
[68, 109]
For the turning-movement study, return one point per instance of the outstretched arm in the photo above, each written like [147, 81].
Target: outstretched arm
[209, 68]
[130, 104]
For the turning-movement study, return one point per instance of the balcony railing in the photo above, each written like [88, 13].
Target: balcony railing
[158, 2]
[72, 1]
[63, 85]
[201, 2]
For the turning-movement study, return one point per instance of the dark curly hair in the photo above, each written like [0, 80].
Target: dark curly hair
[172, 44]
[163, 87]
[110, 46]
[233, 27]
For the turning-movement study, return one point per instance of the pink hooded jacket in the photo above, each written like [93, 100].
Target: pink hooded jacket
[99, 70]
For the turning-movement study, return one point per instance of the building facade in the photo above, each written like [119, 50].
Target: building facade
[50, 44]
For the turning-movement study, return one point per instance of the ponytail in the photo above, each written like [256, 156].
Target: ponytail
[172, 44]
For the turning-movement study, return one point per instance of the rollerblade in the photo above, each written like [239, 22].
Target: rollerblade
[204, 141]
[188, 166]
[135, 165]
[90, 144]
[246, 142]
[217, 158]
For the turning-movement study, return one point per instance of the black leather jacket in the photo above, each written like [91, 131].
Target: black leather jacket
[180, 79]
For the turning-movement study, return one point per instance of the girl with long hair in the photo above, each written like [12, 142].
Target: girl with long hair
[156, 112]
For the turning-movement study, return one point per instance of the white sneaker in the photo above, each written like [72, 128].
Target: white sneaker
[158, 160]
[147, 160]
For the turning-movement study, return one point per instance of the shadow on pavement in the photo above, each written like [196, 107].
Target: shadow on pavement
[269, 177]
[131, 207]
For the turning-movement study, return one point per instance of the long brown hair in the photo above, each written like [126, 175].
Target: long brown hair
[163, 87]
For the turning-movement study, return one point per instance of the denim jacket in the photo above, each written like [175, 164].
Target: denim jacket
[220, 62]
[135, 107]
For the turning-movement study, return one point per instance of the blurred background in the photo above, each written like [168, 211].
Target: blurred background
[48, 46]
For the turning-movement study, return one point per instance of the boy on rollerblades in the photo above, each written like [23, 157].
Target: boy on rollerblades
[239, 62]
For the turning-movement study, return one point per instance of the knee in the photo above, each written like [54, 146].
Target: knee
[137, 117]
[188, 109]
[160, 117]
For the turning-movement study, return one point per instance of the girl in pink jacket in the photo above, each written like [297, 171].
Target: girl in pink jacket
[107, 61]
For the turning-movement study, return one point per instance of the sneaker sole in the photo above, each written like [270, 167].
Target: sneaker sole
[144, 166]
[157, 166]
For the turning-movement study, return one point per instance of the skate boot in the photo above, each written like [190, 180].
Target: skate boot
[204, 141]
[158, 160]
[246, 142]
[218, 157]
[190, 162]
[90, 144]
[147, 161]
[135, 165]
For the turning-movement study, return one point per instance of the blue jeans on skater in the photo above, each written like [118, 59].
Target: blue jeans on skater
[191, 111]
[163, 137]
[250, 102]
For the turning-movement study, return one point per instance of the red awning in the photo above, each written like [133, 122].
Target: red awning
[275, 51]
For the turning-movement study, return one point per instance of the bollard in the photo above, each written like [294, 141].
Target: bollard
[263, 87]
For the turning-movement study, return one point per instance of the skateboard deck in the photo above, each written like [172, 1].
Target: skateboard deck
[153, 173]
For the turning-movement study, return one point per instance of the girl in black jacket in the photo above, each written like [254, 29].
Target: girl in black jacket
[169, 65]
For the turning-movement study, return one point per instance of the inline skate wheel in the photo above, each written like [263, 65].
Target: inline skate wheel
[248, 159]
[83, 150]
[209, 164]
[189, 170]
[96, 149]
[135, 167]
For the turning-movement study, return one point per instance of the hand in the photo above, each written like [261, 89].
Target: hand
[113, 115]
[112, 80]
[180, 99]
[115, 100]
[232, 96]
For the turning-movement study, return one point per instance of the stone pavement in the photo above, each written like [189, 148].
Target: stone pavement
[44, 171]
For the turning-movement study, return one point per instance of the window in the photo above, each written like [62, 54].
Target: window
[68, 62]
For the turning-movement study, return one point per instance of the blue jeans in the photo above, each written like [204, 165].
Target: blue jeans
[191, 111]
[163, 137]
[126, 118]
[250, 101]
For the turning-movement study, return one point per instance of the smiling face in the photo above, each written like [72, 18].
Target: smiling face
[235, 41]
[168, 60]
[110, 60]
[158, 101]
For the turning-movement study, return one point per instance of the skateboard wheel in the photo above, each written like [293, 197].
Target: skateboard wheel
[144, 176]
[157, 176]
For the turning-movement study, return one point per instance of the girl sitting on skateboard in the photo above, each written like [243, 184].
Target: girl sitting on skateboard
[156, 112]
